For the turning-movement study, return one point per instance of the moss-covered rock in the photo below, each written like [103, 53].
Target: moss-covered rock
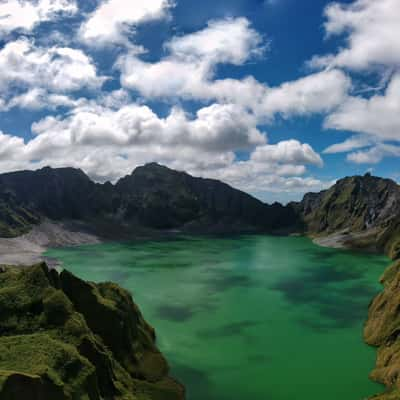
[383, 331]
[63, 338]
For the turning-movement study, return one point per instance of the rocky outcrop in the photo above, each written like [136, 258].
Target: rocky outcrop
[66, 339]
[364, 210]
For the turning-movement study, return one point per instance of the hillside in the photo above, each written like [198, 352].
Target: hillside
[66, 339]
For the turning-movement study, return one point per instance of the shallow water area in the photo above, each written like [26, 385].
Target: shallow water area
[249, 317]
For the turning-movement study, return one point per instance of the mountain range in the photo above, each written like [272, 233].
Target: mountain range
[359, 211]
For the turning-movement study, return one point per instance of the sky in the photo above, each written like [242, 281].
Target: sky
[275, 97]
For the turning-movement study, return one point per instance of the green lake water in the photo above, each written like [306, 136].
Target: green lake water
[250, 317]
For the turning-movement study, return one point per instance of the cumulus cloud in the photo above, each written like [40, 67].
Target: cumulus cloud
[372, 28]
[216, 128]
[57, 68]
[25, 14]
[319, 92]
[290, 152]
[231, 41]
[189, 72]
[189, 67]
[377, 116]
[9, 145]
[114, 19]
[33, 76]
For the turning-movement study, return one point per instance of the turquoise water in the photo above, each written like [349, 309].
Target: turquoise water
[251, 317]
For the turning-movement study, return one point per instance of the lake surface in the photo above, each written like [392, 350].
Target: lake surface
[250, 317]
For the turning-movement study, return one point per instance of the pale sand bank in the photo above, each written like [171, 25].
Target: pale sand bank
[29, 248]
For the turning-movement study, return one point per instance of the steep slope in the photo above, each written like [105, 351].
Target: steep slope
[383, 331]
[66, 339]
[15, 219]
[364, 209]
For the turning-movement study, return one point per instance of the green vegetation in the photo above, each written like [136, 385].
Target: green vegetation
[63, 338]
[383, 331]
[15, 219]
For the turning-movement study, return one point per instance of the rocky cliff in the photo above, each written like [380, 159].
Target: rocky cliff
[66, 339]
[364, 210]
[382, 330]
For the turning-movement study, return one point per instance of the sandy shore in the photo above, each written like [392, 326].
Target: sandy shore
[28, 249]
[336, 240]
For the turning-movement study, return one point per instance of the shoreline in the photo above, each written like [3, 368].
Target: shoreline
[28, 249]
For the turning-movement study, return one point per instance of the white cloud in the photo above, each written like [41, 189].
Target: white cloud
[26, 14]
[57, 68]
[37, 98]
[375, 154]
[290, 152]
[189, 72]
[373, 30]
[231, 41]
[9, 146]
[352, 143]
[33, 76]
[216, 128]
[113, 19]
[263, 178]
[377, 116]
[319, 92]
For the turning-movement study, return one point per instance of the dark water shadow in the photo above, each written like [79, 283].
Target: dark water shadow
[176, 313]
[221, 282]
[338, 296]
[185, 312]
[232, 329]
[199, 385]
[197, 382]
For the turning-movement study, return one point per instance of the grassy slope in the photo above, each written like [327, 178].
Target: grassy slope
[49, 349]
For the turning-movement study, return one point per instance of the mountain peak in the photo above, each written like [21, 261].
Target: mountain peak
[154, 167]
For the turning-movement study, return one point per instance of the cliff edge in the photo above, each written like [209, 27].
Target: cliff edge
[63, 338]
[382, 330]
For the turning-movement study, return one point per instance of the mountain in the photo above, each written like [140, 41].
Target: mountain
[66, 339]
[165, 199]
[363, 210]
[153, 197]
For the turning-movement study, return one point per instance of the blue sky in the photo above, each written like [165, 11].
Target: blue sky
[275, 97]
